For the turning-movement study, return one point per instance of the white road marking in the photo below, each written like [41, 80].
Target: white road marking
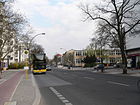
[89, 78]
[118, 83]
[65, 101]
[10, 103]
[61, 97]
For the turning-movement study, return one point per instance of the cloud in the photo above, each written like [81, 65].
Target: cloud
[62, 22]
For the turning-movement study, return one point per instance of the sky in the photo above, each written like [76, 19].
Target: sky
[61, 20]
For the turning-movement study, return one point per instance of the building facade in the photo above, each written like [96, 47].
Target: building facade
[112, 56]
[133, 55]
[17, 55]
[75, 57]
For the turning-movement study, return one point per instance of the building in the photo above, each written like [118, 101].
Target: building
[17, 55]
[75, 57]
[112, 56]
[133, 55]
[133, 51]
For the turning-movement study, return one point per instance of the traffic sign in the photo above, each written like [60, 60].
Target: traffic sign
[26, 51]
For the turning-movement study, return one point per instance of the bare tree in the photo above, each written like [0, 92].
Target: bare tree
[36, 48]
[10, 25]
[57, 59]
[122, 18]
[68, 59]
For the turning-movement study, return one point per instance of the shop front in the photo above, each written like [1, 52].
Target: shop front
[134, 55]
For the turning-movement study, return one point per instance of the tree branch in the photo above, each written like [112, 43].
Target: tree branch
[131, 7]
[138, 22]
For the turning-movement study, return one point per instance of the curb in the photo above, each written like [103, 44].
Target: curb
[37, 92]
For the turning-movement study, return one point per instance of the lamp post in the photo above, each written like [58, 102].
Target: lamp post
[29, 48]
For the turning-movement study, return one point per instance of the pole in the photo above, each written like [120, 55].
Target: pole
[26, 70]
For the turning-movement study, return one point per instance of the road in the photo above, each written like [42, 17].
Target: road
[63, 87]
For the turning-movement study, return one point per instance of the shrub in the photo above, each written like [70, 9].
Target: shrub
[21, 65]
[16, 65]
[89, 65]
[13, 66]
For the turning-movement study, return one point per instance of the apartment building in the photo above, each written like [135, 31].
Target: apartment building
[17, 55]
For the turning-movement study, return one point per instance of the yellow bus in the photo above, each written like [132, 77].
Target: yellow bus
[39, 63]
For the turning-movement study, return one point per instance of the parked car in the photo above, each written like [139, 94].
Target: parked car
[117, 65]
[99, 67]
[48, 68]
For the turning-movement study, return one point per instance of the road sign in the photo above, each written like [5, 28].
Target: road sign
[26, 51]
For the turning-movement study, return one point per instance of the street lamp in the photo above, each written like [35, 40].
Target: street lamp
[30, 48]
[36, 36]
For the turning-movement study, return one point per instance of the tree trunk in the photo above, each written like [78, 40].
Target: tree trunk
[124, 61]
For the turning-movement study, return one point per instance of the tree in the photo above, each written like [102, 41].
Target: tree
[68, 59]
[122, 19]
[10, 25]
[90, 60]
[36, 48]
[57, 59]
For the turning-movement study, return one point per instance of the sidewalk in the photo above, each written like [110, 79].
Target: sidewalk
[115, 71]
[25, 91]
[118, 71]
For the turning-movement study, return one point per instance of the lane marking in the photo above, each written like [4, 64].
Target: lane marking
[10, 103]
[117, 83]
[60, 96]
[65, 101]
[89, 78]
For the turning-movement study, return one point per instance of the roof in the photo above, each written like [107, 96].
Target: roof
[132, 49]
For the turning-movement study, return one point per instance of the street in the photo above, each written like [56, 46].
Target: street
[81, 87]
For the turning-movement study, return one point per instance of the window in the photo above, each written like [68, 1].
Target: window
[78, 53]
[78, 61]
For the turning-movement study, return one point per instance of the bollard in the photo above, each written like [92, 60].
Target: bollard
[26, 74]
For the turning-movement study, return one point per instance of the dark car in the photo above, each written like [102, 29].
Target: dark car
[99, 67]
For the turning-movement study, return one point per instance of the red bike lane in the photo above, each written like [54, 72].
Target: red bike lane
[7, 88]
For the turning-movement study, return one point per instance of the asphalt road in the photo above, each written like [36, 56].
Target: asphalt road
[63, 87]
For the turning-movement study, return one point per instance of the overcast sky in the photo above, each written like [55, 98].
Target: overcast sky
[61, 20]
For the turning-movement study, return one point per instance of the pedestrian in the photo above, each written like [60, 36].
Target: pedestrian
[132, 65]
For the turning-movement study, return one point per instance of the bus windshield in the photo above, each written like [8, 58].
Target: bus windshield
[39, 56]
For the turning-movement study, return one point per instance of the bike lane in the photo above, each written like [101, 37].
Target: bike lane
[7, 88]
